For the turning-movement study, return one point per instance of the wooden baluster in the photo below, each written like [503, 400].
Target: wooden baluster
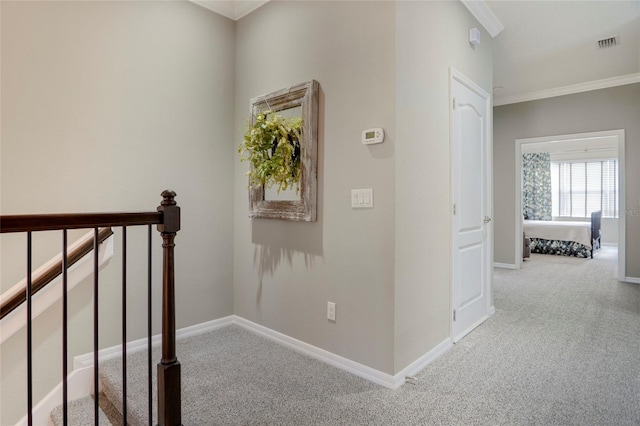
[169, 392]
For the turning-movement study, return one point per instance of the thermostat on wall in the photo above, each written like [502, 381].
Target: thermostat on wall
[371, 136]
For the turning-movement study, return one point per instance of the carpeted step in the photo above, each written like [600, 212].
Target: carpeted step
[137, 387]
[81, 412]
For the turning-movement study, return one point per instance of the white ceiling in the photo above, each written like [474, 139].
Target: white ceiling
[552, 44]
[546, 48]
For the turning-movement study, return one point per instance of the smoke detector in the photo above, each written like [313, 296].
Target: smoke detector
[607, 42]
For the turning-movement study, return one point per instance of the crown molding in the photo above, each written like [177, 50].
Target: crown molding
[485, 16]
[232, 9]
[568, 90]
[236, 9]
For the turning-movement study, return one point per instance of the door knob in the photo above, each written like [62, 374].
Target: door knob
[487, 219]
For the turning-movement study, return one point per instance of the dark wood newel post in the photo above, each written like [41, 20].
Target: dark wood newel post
[169, 392]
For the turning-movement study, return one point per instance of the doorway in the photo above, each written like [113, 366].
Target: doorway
[618, 141]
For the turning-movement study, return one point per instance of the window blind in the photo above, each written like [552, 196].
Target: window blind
[579, 188]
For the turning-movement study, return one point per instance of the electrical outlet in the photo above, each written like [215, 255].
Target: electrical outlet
[331, 311]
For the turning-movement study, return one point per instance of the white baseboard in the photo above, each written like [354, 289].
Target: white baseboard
[86, 360]
[79, 385]
[330, 358]
[504, 265]
[492, 311]
[418, 365]
[632, 280]
[355, 368]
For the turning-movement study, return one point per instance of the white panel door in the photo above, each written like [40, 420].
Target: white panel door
[471, 204]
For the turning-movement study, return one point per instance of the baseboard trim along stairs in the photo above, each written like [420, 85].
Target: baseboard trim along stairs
[80, 382]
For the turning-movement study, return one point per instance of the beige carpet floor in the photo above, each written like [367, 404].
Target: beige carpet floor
[562, 349]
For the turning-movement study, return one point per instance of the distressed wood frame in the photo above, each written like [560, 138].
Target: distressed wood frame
[305, 95]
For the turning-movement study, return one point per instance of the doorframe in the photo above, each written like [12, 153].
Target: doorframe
[619, 134]
[454, 74]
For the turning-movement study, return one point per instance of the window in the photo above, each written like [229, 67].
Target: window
[579, 188]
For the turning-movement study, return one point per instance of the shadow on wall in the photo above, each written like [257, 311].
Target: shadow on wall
[278, 241]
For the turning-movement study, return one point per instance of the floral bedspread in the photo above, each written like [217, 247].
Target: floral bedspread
[559, 247]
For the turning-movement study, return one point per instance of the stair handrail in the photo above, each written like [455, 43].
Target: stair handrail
[167, 219]
[47, 276]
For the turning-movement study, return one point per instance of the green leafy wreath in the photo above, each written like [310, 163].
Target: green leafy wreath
[272, 146]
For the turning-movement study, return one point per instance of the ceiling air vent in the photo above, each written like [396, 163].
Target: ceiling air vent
[608, 42]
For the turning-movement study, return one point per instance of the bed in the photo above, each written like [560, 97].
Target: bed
[578, 239]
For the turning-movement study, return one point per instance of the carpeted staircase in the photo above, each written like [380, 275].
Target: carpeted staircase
[81, 412]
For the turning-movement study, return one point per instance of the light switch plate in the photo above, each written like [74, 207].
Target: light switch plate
[331, 311]
[362, 198]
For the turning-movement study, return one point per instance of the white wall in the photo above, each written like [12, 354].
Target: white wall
[104, 105]
[430, 37]
[609, 231]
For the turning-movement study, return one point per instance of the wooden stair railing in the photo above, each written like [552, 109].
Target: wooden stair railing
[167, 219]
[53, 272]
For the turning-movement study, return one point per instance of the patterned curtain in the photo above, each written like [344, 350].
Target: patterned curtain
[536, 186]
